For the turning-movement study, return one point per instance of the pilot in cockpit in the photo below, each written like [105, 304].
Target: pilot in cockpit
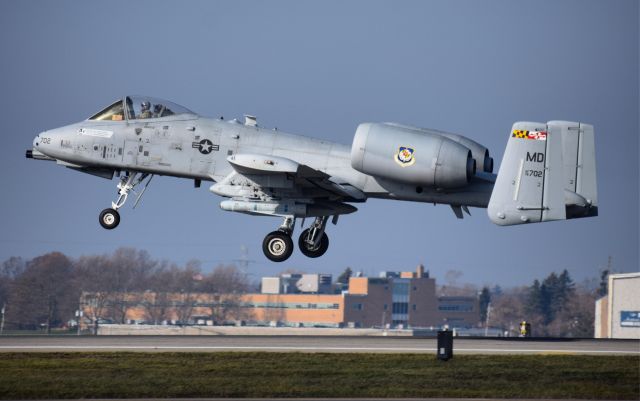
[157, 110]
[145, 112]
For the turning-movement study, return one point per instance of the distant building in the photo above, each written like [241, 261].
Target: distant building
[459, 311]
[297, 283]
[617, 314]
[395, 300]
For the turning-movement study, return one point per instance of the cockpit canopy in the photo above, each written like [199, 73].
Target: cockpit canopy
[140, 107]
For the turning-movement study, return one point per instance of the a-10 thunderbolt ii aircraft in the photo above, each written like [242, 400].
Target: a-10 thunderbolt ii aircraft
[547, 173]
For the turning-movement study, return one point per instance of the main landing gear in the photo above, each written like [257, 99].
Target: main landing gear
[313, 242]
[110, 218]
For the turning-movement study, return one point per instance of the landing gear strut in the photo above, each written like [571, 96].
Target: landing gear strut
[278, 245]
[110, 218]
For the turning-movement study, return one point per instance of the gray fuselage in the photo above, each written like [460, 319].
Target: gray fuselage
[195, 147]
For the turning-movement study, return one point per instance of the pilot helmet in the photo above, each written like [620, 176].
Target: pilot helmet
[146, 105]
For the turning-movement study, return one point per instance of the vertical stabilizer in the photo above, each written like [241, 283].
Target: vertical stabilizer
[547, 173]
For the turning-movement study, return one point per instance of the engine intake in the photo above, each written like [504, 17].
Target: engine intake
[411, 156]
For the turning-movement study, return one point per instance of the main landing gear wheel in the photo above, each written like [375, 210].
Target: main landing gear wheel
[109, 218]
[308, 250]
[277, 246]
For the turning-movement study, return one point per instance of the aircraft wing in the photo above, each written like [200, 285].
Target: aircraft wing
[266, 171]
[264, 184]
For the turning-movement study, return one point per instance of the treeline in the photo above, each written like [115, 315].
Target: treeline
[45, 292]
[555, 306]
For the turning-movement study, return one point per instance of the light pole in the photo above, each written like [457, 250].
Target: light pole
[79, 318]
[486, 322]
[2, 322]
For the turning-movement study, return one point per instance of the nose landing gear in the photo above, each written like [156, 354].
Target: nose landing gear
[110, 218]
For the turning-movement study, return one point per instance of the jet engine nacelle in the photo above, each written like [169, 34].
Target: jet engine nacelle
[414, 157]
[479, 153]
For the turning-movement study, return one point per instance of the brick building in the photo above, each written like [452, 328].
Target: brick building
[399, 300]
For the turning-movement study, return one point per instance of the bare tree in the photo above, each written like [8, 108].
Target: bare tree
[156, 305]
[466, 290]
[155, 299]
[113, 283]
[508, 310]
[226, 284]
[272, 311]
[452, 276]
[10, 269]
[576, 318]
[44, 293]
[92, 277]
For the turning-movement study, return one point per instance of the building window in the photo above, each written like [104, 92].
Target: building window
[413, 307]
[456, 308]
[357, 306]
[415, 288]
[386, 306]
[285, 305]
[400, 307]
[400, 288]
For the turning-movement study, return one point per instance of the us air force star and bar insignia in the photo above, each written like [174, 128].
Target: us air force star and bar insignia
[535, 135]
[205, 146]
[404, 157]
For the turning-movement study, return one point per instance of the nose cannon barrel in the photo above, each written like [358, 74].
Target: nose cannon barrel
[36, 155]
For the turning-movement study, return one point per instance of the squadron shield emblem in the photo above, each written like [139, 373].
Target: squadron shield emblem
[404, 157]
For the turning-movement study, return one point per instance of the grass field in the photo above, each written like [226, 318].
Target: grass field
[128, 375]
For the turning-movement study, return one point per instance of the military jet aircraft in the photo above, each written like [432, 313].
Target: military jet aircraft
[547, 173]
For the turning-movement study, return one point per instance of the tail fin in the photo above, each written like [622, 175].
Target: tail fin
[548, 172]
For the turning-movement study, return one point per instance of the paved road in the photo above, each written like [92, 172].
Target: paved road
[313, 344]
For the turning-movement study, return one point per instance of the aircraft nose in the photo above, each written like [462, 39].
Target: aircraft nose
[41, 140]
[43, 143]
[41, 148]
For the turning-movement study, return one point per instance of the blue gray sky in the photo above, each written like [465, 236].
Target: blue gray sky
[319, 69]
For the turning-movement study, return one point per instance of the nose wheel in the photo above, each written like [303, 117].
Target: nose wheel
[109, 218]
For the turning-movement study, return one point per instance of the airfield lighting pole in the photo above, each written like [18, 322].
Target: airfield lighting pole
[2, 322]
[79, 316]
[486, 322]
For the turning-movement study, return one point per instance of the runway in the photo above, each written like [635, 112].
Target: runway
[313, 344]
